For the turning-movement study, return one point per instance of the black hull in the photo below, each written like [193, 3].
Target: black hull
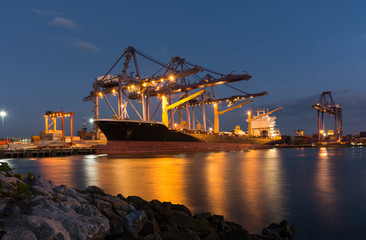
[132, 130]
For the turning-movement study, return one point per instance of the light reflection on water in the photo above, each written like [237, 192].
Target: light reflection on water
[322, 191]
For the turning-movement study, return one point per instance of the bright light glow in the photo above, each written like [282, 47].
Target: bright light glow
[101, 94]
[210, 128]
[144, 84]
[91, 120]
[2, 114]
[248, 112]
[171, 78]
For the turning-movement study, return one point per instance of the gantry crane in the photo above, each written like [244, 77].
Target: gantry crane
[250, 119]
[326, 105]
[176, 77]
[217, 113]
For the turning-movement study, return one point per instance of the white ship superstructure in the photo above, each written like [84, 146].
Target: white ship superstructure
[265, 126]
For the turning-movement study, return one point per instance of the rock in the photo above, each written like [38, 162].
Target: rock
[19, 235]
[134, 221]
[128, 208]
[60, 189]
[237, 235]
[111, 215]
[285, 229]
[212, 236]
[95, 190]
[154, 236]
[167, 227]
[44, 228]
[116, 202]
[150, 227]
[101, 204]
[183, 208]
[271, 234]
[79, 226]
[179, 236]
[39, 190]
[116, 228]
[40, 181]
[182, 221]
[217, 221]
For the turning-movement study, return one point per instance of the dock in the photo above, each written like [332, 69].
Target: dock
[44, 152]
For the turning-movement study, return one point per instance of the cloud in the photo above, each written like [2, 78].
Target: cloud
[78, 44]
[83, 45]
[63, 22]
[45, 13]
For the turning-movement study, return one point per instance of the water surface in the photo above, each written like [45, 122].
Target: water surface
[321, 191]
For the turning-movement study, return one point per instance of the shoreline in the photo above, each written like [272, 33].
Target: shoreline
[34, 208]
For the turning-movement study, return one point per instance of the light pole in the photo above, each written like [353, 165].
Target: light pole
[91, 124]
[2, 114]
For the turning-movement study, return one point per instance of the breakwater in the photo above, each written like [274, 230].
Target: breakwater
[34, 208]
[44, 152]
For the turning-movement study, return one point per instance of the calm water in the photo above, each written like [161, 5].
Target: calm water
[321, 191]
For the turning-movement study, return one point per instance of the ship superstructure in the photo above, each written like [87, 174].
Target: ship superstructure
[264, 125]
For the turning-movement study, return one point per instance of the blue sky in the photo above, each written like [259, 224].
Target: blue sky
[51, 52]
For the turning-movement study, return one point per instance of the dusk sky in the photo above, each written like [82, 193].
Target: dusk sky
[51, 52]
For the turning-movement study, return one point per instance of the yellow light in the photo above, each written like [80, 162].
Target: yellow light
[144, 84]
[153, 82]
[113, 91]
[100, 94]
[215, 104]
[171, 78]
[248, 112]
[161, 80]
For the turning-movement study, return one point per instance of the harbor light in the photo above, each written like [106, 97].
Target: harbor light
[91, 122]
[248, 112]
[2, 114]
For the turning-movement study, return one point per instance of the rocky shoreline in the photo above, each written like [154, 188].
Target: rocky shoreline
[34, 208]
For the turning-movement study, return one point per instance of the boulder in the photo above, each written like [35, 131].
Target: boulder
[134, 221]
[44, 228]
[95, 190]
[19, 235]
[285, 229]
[150, 227]
[179, 236]
[115, 202]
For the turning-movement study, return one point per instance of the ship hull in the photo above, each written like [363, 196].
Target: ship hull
[164, 147]
[131, 137]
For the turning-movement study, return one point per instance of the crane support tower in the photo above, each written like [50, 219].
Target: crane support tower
[326, 105]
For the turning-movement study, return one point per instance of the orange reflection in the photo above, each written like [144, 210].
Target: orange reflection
[325, 185]
[262, 184]
[149, 178]
[251, 185]
[215, 177]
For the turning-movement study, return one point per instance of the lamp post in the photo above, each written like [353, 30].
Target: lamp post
[2, 114]
[91, 123]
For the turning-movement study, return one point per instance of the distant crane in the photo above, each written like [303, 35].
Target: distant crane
[326, 104]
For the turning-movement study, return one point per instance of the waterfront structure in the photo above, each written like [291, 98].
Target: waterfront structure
[263, 125]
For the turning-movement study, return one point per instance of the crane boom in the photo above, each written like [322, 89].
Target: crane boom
[235, 107]
[263, 115]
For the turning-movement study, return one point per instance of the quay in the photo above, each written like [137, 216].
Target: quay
[45, 152]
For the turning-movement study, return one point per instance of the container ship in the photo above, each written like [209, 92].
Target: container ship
[184, 125]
